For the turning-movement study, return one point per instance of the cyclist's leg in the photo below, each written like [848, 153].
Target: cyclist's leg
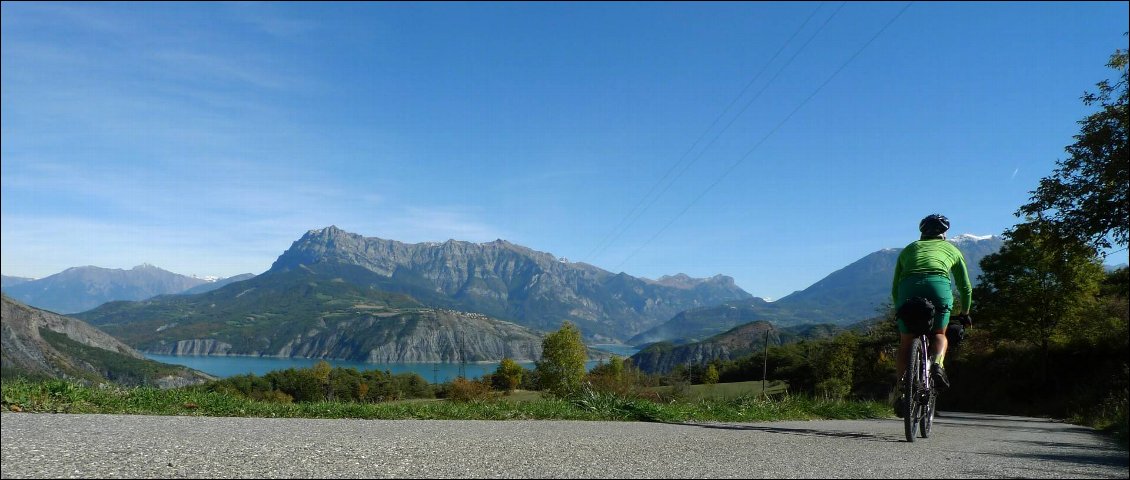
[938, 345]
[942, 296]
[938, 340]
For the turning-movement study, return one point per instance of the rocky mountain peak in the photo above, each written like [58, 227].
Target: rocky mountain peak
[328, 233]
[684, 281]
[510, 281]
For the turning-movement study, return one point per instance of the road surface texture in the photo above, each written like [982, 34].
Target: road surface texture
[132, 446]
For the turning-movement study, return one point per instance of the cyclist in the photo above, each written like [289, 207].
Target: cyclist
[923, 270]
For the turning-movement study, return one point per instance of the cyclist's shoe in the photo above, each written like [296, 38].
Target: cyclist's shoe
[900, 406]
[940, 378]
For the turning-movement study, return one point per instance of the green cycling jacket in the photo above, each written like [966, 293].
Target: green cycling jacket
[935, 257]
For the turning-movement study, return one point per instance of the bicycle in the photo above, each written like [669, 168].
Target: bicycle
[919, 394]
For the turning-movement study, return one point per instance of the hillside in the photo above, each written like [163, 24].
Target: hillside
[37, 343]
[324, 311]
[739, 341]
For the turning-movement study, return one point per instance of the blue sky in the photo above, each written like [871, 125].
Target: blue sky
[771, 142]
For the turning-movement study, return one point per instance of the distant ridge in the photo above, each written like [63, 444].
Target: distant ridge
[79, 289]
[6, 281]
[851, 294]
[208, 287]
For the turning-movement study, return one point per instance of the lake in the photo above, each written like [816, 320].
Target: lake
[223, 367]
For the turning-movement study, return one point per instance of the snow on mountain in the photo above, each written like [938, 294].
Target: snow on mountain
[968, 237]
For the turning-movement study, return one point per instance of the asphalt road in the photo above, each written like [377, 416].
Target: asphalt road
[135, 446]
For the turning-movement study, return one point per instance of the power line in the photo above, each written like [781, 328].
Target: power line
[767, 135]
[609, 239]
[750, 102]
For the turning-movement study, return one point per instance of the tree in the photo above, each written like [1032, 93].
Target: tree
[612, 371]
[508, 375]
[321, 372]
[834, 364]
[562, 366]
[1087, 193]
[711, 375]
[1037, 283]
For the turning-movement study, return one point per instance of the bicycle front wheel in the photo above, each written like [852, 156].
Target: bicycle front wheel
[928, 413]
[910, 388]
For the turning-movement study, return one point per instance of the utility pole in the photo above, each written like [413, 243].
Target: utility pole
[462, 354]
[765, 364]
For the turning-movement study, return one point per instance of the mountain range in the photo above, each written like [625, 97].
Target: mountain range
[80, 289]
[335, 294]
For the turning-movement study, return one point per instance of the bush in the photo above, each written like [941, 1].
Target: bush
[463, 390]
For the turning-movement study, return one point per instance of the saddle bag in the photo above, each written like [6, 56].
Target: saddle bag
[917, 313]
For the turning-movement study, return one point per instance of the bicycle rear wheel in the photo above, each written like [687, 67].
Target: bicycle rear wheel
[910, 388]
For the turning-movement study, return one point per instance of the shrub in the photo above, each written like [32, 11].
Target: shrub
[463, 390]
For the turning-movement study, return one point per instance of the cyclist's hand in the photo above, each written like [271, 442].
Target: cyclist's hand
[966, 320]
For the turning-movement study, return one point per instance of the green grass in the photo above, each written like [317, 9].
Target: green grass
[59, 396]
[729, 391]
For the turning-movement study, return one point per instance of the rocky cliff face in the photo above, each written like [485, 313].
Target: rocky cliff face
[431, 335]
[42, 343]
[195, 346]
[428, 335]
[515, 283]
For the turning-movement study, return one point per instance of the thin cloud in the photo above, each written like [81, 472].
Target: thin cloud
[261, 17]
[217, 67]
[75, 14]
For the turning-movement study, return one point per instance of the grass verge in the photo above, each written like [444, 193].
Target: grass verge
[60, 396]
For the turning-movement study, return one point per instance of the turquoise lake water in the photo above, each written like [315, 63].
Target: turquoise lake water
[224, 367]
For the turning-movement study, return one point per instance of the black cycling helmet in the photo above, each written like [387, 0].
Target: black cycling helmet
[935, 224]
